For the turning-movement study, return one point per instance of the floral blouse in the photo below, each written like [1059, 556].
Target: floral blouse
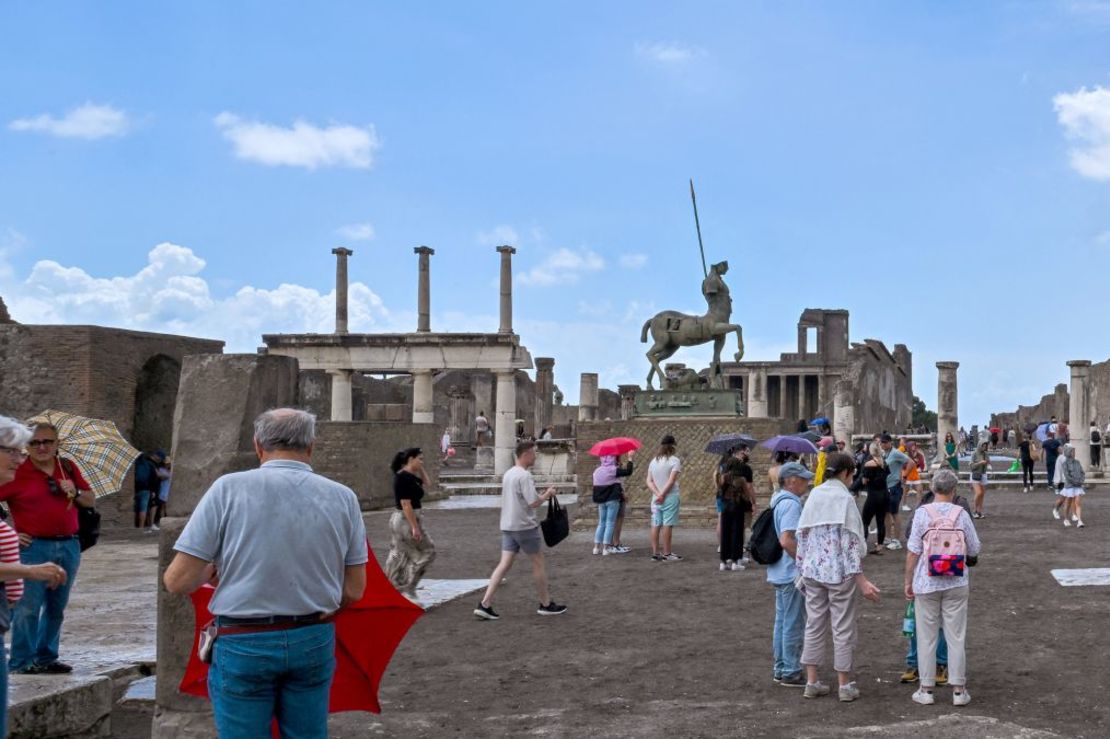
[829, 554]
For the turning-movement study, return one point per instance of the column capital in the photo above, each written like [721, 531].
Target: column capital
[1079, 363]
[340, 372]
[544, 363]
[342, 251]
[948, 365]
[423, 250]
[627, 390]
[506, 249]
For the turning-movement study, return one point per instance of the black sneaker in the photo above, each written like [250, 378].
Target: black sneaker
[486, 612]
[30, 670]
[793, 681]
[551, 609]
[56, 668]
[657, 558]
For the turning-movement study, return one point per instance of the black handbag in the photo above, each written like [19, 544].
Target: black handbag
[88, 527]
[556, 526]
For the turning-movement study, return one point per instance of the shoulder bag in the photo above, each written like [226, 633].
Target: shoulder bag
[556, 526]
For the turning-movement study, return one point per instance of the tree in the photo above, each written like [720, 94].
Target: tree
[922, 416]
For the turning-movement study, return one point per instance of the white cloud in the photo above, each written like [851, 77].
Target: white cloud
[633, 261]
[1085, 117]
[302, 145]
[88, 121]
[562, 267]
[357, 231]
[498, 236]
[11, 241]
[669, 52]
[170, 294]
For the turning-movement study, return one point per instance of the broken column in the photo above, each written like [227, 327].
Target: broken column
[422, 408]
[504, 428]
[545, 392]
[220, 395]
[1079, 411]
[341, 394]
[628, 400]
[341, 253]
[424, 291]
[947, 403]
[757, 393]
[844, 412]
[506, 253]
[587, 397]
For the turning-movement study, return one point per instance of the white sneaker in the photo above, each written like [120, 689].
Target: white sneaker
[737, 566]
[873, 531]
[894, 544]
[1080, 524]
[606, 551]
[725, 566]
[597, 549]
[745, 560]
[155, 527]
[1067, 523]
[924, 697]
[906, 508]
[1056, 513]
[1074, 517]
[961, 699]
[718, 549]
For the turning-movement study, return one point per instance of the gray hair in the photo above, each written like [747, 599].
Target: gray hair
[14, 433]
[285, 429]
[945, 481]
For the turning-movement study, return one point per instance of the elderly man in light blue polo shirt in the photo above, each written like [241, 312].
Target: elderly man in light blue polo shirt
[289, 548]
[790, 603]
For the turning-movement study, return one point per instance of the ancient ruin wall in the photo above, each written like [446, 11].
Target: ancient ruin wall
[884, 386]
[1053, 404]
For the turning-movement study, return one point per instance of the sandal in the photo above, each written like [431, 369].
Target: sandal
[876, 550]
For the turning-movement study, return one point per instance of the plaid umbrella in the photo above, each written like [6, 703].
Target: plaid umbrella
[96, 445]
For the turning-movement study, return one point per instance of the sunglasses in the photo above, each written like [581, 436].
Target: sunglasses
[35, 443]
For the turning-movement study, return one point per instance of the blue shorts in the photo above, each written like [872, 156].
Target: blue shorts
[665, 513]
[894, 498]
[142, 501]
[720, 504]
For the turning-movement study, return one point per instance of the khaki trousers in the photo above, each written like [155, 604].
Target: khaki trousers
[947, 608]
[408, 559]
[830, 606]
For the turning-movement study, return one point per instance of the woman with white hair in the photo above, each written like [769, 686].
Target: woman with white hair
[13, 441]
[1073, 492]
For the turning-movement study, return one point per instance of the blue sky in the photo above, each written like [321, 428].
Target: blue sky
[941, 170]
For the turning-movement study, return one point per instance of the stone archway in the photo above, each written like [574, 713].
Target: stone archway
[155, 398]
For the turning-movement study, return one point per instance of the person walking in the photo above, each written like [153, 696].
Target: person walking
[831, 548]
[1051, 449]
[607, 493]
[1096, 445]
[1026, 450]
[411, 550]
[738, 499]
[951, 456]
[13, 439]
[662, 481]
[980, 469]
[1058, 475]
[520, 532]
[937, 583]
[1073, 492]
[281, 574]
[790, 613]
[912, 475]
[895, 460]
[165, 479]
[481, 429]
[873, 477]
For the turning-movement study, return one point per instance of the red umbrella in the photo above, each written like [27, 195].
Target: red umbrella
[616, 446]
[366, 634]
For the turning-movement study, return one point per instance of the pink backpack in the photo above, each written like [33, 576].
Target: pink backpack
[945, 548]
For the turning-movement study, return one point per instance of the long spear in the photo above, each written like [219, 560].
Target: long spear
[697, 224]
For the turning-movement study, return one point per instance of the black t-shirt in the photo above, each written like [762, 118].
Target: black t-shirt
[407, 486]
[1052, 448]
[1024, 447]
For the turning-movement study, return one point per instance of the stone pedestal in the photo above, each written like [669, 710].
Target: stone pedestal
[757, 393]
[341, 253]
[341, 395]
[506, 253]
[424, 291]
[587, 397]
[422, 408]
[948, 421]
[1079, 411]
[219, 397]
[628, 400]
[504, 428]
[545, 392]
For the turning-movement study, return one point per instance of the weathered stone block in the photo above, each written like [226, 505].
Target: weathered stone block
[74, 707]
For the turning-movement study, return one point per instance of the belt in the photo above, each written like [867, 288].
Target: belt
[67, 537]
[229, 625]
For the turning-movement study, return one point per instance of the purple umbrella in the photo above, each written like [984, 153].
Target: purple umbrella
[793, 444]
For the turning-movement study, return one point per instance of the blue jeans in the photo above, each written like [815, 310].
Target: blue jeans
[942, 650]
[790, 623]
[37, 617]
[255, 678]
[3, 689]
[606, 520]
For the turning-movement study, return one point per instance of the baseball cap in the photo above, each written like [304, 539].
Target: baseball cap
[793, 469]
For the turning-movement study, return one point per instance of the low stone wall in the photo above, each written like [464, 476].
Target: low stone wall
[696, 480]
[358, 453]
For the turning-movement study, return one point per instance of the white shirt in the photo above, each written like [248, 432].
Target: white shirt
[660, 470]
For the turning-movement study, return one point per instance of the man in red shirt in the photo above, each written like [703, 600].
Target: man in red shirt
[43, 499]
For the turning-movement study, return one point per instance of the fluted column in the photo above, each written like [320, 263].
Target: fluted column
[506, 253]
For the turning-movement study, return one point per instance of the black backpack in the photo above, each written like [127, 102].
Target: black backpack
[1096, 437]
[764, 543]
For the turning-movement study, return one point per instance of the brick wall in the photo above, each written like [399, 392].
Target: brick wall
[696, 479]
[358, 454]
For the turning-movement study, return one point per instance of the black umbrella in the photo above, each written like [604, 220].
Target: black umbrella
[724, 443]
[809, 436]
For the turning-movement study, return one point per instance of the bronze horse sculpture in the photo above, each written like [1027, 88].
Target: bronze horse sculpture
[672, 330]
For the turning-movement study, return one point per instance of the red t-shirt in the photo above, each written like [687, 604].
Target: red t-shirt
[36, 510]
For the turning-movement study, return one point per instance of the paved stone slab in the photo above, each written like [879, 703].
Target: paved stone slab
[1083, 576]
[952, 724]
[434, 593]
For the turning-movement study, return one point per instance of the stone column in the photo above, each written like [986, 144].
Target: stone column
[341, 253]
[504, 428]
[545, 392]
[424, 291]
[844, 412]
[422, 408]
[506, 253]
[587, 397]
[219, 397]
[948, 401]
[1079, 411]
[628, 400]
[340, 394]
[802, 398]
[757, 393]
